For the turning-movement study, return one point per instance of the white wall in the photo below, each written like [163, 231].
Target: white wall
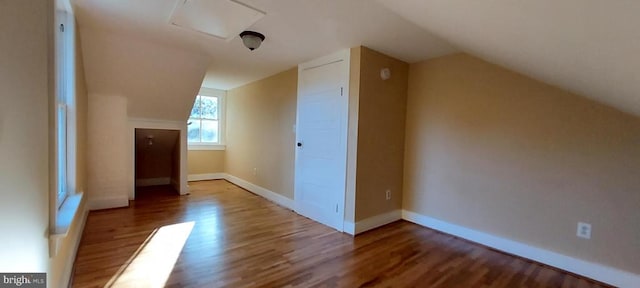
[108, 154]
[24, 135]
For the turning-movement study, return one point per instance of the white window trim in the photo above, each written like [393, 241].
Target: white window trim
[66, 208]
[66, 99]
[221, 144]
[206, 146]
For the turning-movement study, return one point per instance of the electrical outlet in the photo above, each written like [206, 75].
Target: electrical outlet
[388, 194]
[584, 230]
[255, 171]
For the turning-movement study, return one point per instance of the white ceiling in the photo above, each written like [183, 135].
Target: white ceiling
[590, 47]
[296, 31]
[221, 19]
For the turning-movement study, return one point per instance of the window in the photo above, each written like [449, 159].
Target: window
[66, 193]
[65, 115]
[205, 125]
[61, 151]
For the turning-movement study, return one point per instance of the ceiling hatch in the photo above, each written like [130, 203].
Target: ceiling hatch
[223, 19]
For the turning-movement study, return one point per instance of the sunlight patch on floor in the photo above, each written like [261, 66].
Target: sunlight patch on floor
[151, 265]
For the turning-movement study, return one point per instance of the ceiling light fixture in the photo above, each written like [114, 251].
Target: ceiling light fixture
[251, 39]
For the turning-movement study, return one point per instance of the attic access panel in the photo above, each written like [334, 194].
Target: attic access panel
[223, 19]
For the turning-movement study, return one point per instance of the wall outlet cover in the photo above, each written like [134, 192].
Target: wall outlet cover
[584, 230]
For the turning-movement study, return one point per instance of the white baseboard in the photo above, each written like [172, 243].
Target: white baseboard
[109, 202]
[207, 176]
[372, 222]
[68, 270]
[153, 181]
[588, 269]
[265, 193]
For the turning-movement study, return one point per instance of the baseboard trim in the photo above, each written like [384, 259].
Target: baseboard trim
[206, 176]
[153, 181]
[68, 271]
[599, 272]
[372, 222]
[108, 203]
[260, 191]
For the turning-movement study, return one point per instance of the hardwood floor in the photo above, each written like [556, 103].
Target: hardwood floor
[237, 239]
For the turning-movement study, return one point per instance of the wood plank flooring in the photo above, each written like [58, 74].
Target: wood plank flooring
[237, 239]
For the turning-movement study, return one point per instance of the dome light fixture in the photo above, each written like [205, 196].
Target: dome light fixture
[251, 39]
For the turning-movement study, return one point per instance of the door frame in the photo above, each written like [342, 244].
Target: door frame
[344, 56]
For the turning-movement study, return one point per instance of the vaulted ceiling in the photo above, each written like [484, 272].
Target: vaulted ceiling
[585, 46]
[590, 47]
[118, 39]
[296, 31]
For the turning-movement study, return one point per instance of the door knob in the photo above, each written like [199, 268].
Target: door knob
[299, 144]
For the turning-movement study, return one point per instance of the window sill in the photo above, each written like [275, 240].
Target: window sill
[66, 214]
[197, 147]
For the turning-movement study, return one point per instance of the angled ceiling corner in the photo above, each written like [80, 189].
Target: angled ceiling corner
[587, 47]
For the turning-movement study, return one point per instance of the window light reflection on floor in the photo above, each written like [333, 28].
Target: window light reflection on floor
[152, 263]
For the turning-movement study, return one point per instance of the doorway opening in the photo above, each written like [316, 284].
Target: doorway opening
[157, 162]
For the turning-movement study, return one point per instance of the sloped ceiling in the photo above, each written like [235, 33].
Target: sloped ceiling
[159, 81]
[590, 47]
[296, 31]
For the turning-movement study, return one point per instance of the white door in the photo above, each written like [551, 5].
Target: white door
[321, 152]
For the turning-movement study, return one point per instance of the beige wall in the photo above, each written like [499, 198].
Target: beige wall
[24, 135]
[25, 158]
[260, 119]
[159, 81]
[206, 161]
[381, 122]
[495, 151]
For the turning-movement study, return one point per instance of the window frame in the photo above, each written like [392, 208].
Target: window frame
[220, 145]
[65, 108]
[65, 199]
